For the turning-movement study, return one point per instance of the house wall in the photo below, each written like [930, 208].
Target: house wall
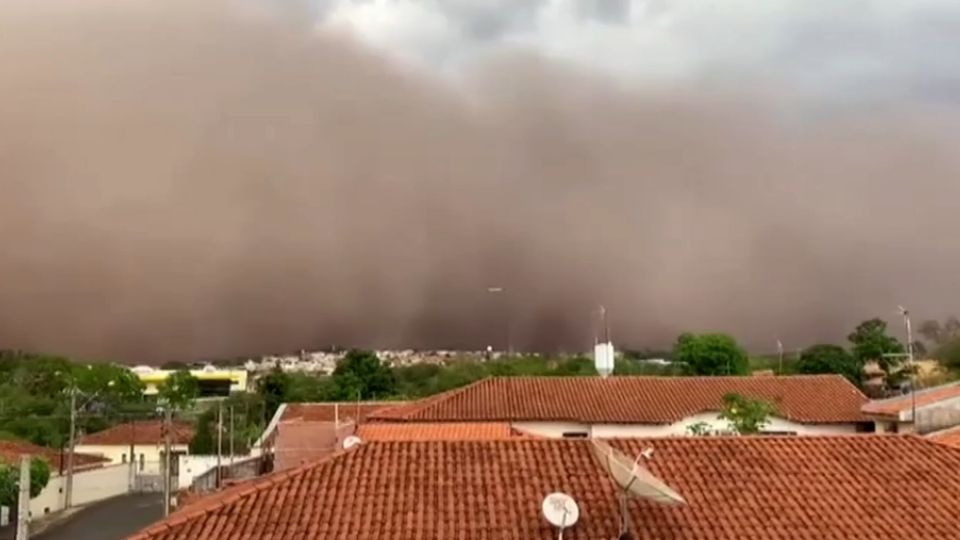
[116, 454]
[88, 486]
[193, 466]
[557, 429]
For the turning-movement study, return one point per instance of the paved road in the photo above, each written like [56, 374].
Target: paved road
[113, 519]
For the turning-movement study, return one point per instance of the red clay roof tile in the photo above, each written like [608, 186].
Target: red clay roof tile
[440, 431]
[11, 450]
[763, 488]
[632, 400]
[950, 437]
[146, 432]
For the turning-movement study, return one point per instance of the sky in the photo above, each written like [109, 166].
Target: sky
[189, 180]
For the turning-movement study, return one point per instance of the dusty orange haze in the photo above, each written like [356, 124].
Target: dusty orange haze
[188, 179]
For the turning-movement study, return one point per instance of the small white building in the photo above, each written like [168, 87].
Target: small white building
[642, 406]
[143, 439]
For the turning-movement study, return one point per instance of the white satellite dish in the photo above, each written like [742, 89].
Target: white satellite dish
[561, 511]
[351, 441]
[634, 480]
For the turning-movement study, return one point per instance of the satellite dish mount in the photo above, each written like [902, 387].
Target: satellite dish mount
[561, 511]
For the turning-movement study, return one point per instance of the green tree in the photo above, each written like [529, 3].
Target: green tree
[10, 482]
[274, 387]
[948, 354]
[711, 354]
[746, 416]
[940, 334]
[826, 358]
[872, 343]
[362, 372]
[700, 429]
[180, 389]
[203, 442]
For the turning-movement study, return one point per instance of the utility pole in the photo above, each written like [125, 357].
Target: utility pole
[231, 435]
[68, 496]
[219, 439]
[913, 368]
[133, 456]
[23, 501]
[780, 354]
[166, 459]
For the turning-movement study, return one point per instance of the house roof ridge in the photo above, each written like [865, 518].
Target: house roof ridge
[429, 401]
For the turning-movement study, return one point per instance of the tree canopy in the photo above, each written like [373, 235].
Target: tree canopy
[711, 354]
[362, 374]
[746, 416]
[180, 389]
[10, 480]
[872, 343]
[826, 358]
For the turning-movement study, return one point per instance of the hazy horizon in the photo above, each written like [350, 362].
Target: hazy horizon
[187, 180]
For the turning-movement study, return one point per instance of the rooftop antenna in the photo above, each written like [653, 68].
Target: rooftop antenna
[634, 480]
[351, 441]
[561, 511]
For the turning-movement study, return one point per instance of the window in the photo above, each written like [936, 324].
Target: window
[575, 435]
[123, 458]
[142, 462]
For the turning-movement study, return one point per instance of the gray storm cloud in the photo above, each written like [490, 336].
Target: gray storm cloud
[189, 180]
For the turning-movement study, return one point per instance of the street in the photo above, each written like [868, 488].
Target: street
[112, 519]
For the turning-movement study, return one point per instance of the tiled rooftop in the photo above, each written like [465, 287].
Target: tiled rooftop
[11, 450]
[863, 487]
[950, 437]
[440, 431]
[149, 432]
[893, 407]
[632, 400]
[329, 411]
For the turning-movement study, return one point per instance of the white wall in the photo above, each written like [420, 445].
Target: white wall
[557, 429]
[88, 486]
[553, 430]
[116, 454]
[193, 466]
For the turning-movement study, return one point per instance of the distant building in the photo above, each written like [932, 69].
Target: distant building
[641, 406]
[937, 408]
[146, 439]
[213, 382]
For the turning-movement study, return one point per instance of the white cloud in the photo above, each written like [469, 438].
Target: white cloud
[891, 47]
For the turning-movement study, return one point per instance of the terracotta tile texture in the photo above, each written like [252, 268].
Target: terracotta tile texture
[439, 431]
[632, 400]
[950, 437]
[866, 487]
[299, 442]
[892, 407]
[144, 432]
[11, 450]
[328, 411]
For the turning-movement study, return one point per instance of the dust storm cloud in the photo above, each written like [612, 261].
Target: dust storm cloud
[208, 179]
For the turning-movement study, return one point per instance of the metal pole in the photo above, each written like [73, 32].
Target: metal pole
[166, 459]
[133, 456]
[219, 440]
[68, 497]
[231, 435]
[913, 383]
[23, 501]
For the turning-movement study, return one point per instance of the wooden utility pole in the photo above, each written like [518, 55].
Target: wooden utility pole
[68, 496]
[23, 501]
[133, 455]
[232, 435]
[166, 459]
[219, 440]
